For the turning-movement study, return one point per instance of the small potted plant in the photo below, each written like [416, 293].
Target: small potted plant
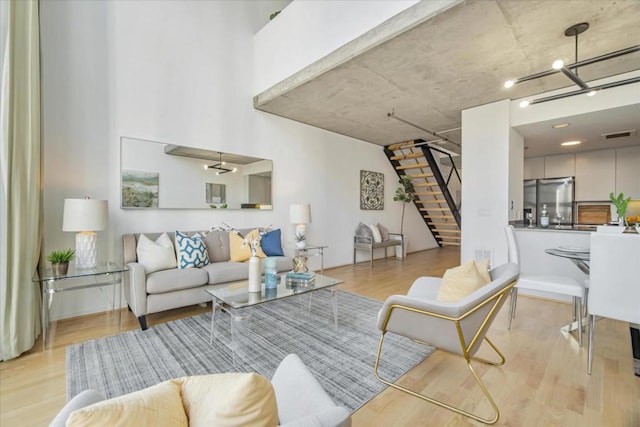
[60, 261]
[405, 193]
[621, 207]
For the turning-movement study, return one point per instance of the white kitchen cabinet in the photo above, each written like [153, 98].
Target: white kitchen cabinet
[628, 171]
[595, 175]
[560, 165]
[534, 168]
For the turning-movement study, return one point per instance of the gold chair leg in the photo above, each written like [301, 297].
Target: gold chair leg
[491, 362]
[496, 412]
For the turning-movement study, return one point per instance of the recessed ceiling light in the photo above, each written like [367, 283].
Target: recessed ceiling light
[571, 143]
[560, 125]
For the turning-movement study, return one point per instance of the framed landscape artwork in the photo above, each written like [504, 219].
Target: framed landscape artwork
[371, 190]
[140, 189]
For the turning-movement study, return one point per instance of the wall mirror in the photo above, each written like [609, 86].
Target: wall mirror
[155, 175]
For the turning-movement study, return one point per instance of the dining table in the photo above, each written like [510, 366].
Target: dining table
[580, 257]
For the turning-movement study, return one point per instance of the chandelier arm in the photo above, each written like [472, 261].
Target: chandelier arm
[581, 91]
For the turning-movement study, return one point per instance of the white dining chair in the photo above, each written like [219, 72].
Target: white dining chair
[614, 281]
[562, 285]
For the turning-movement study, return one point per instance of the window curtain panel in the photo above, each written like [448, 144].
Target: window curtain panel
[20, 219]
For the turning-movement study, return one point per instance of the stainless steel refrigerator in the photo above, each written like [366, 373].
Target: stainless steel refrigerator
[556, 193]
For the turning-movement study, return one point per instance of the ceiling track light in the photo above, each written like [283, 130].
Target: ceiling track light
[571, 70]
[219, 167]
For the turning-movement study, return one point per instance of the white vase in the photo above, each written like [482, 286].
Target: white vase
[255, 274]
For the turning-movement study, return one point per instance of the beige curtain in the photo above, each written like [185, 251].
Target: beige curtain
[20, 233]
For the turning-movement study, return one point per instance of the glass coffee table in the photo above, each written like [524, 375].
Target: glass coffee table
[234, 297]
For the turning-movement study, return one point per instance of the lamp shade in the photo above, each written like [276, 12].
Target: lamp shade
[300, 214]
[85, 215]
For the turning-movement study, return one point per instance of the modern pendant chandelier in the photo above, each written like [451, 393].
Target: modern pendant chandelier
[220, 167]
[571, 70]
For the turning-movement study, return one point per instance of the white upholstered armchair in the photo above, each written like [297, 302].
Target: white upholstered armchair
[457, 327]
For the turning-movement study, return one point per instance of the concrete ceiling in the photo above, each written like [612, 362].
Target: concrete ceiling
[460, 59]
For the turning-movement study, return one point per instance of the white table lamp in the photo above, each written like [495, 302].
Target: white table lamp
[301, 216]
[85, 216]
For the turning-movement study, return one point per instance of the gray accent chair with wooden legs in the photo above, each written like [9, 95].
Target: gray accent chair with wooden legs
[456, 327]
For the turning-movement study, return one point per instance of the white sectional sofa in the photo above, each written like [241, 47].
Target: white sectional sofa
[174, 287]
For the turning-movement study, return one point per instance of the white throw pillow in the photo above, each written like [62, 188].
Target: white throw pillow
[158, 255]
[377, 237]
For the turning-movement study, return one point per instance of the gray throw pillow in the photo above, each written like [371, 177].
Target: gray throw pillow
[217, 243]
[363, 231]
[384, 232]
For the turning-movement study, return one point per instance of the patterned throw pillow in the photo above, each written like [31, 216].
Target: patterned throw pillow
[192, 252]
[271, 243]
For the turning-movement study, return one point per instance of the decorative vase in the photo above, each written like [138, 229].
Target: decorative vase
[255, 274]
[301, 244]
[59, 268]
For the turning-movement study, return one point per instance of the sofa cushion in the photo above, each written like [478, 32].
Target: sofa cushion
[217, 243]
[459, 282]
[362, 230]
[176, 279]
[271, 243]
[384, 232]
[228, 271]
[377, 237]
[233, 399]
[192, 252]
[159, 405]
[158, 255]
[239, 250]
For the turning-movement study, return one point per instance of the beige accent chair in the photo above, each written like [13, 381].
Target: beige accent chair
[614, 291]
[554, 284]
[456, 327]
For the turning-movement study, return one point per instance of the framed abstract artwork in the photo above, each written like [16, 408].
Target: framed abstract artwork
[371, 190]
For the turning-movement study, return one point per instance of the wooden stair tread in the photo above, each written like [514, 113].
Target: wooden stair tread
[400, 145]
[450, 237]
[420, 175]
[438, 231]
[433, 201]
[428, 193]
[416, 166]
[450, 244]
[439, 216]
[407, 156]
[426, 184]
[435, 209]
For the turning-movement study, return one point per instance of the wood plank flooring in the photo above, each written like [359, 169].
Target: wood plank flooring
[543, 382]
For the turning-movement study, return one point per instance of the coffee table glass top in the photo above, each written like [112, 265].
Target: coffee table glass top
[236, 294]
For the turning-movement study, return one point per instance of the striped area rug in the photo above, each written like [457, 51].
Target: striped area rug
[341, 360]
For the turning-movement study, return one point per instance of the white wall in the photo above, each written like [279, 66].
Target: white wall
[487, 142]
[307, 31]
[183, 72]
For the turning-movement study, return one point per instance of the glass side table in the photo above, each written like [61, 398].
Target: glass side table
[307, 251]
[104, 274]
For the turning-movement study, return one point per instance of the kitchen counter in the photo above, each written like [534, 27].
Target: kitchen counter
[563, 228]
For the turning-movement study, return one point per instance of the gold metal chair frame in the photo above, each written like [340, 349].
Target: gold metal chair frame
[497, 300]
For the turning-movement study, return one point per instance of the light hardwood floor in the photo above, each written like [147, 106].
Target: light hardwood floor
[543, 382]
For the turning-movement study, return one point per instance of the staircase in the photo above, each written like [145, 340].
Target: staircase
[437, 186]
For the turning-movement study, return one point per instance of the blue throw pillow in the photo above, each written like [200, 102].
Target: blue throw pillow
[271, 245]
[192, 252]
